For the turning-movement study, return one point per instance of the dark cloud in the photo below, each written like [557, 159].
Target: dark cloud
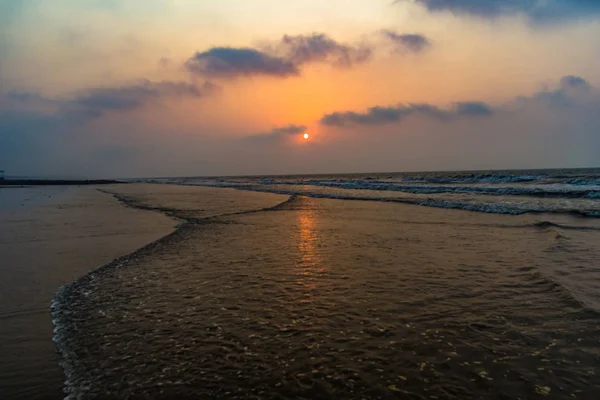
[472, 109]
[535, 10]
[126, 98]
[278, 134]
[569, 94]
[394, 114]
[229, 62]
[374, 116]
[318, 47]
[413, 42]
[565, 94]
[282, 59]
[485, 8]
[572, 81]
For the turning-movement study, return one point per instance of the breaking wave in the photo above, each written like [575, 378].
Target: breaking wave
[498, 207]
[575, 192]
[562, 191]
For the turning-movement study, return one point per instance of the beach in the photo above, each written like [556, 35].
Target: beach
[194, 292]
[300, 200]
[50, 237]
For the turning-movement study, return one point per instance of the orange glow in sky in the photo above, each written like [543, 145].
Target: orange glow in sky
[183, 87]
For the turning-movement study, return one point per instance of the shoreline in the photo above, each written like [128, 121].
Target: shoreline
[49, 242]
[179, 230]
[10, 183]
[56, 308]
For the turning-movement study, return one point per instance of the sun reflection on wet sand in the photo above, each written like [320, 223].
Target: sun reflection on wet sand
[310, 263]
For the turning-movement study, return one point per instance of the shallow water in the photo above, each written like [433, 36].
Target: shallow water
[558, 191]
[324, 299]
[50, 236]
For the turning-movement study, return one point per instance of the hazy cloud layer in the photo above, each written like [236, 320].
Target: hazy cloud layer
[32, 125]
[412, 42]
[126, 98]
[277, 134]
[95, 102]
[506, 135]
[282, 59]
[536, 10]
[379, 115]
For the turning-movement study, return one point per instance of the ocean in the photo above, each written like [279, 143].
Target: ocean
[478, 285]
[566, 191]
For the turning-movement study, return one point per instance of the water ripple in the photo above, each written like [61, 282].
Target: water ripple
[320, 299]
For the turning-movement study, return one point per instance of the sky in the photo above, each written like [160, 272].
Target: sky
[148, 88]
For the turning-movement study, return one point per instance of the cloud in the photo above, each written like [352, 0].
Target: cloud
[472, 109]
[277, 134]
[127, 98]
[412, 42]
[570, 91]
[229, 62]
[535, 10]
[318, 47]
[288, 130]
[571, 100]
[96, 102]
[572, 81]
[30, 123]
[379, 115]
[282, 59]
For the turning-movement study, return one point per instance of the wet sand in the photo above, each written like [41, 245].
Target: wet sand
[323, 299]
[49, 237]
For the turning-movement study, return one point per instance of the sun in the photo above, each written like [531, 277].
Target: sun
[305, 136]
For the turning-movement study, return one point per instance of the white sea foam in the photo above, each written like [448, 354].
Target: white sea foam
[551, 198]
